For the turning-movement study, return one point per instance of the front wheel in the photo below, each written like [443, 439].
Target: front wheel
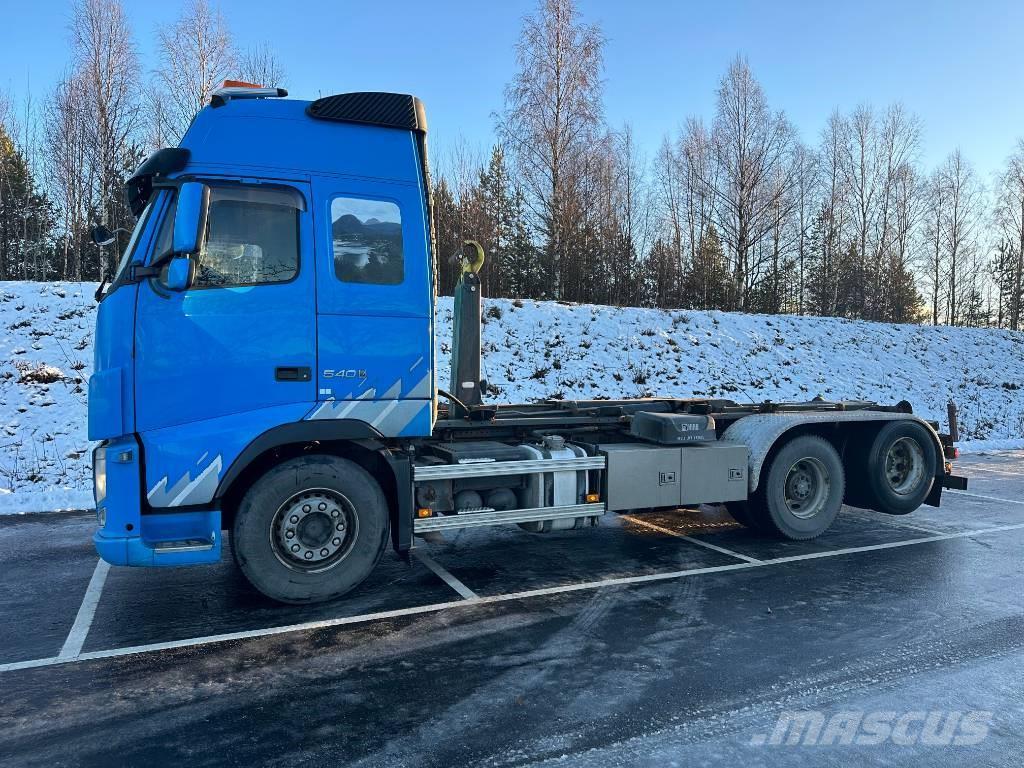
[311, 529]
[802, 491]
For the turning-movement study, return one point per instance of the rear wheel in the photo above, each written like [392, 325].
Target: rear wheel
[311, 529]
[900, 468]
[801, 493]
[745, 512]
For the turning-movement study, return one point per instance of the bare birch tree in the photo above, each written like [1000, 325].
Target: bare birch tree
[1009, 215]
[553, 113]
[196, 56]
[260, 65]
[961, 198]
[67, 135]
[752, 149]
[106, 61]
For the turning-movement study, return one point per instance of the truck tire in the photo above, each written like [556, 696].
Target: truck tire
[801, 492]
[311, 529]
[746, 513]
[900, 468]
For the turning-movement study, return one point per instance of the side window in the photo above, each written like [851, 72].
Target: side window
[367, 240]
[252, 237]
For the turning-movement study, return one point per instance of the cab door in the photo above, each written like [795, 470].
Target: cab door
[374, 305]
[241, 340]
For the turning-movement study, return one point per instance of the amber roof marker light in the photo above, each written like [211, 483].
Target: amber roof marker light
[239, 89]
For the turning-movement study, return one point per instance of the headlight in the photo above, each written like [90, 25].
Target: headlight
[99, 473]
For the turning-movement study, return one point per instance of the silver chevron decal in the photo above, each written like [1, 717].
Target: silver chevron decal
[187, 490]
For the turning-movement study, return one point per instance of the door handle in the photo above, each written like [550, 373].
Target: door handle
[292, 373]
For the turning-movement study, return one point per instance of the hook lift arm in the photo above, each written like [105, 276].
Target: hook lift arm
[465, 383]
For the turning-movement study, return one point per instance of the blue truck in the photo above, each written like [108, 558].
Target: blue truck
[265, 365]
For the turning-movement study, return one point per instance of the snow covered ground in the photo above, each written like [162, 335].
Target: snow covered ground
[535, 350]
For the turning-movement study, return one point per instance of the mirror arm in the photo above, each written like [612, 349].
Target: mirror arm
[140, 273]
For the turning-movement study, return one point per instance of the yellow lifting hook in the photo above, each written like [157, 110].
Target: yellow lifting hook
[477, 262]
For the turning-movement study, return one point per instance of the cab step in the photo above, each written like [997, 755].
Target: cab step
[183, 545]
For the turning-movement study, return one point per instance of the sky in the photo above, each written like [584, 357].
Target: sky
[957, 65]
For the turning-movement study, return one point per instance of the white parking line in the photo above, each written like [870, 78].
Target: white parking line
[80, 629]
[435, 607]
[987, 498]
[449, 579]
[690, 539]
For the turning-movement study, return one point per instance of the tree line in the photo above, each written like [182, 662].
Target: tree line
[737, 212]
[64, 157]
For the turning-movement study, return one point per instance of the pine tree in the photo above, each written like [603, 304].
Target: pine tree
[707, 279]
[26, 218]
[449, 236]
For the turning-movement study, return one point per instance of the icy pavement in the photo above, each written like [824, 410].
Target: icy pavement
[620, 645]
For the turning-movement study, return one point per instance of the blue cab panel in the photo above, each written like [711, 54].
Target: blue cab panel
[106, 402]
[185, 463]
[374, 306]
[214, 350]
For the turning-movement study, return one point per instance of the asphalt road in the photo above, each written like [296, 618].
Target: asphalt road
[668, 639]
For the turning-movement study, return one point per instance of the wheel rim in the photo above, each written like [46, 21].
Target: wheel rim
[807, 486]
[904, 466]
[314, 530]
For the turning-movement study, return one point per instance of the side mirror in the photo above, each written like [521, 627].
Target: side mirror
[190, 218]
[101, 235]
[181, 272]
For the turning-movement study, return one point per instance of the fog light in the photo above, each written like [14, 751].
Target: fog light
[424, 512]
[593, 498]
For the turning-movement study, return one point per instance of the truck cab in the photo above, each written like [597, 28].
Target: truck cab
[279, 276]
[265, 365]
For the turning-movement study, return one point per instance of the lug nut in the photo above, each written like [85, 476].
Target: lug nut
[322, 506]
[336, 542]
[293, 519]
[295, 547]
[325, 552]
[335, 513]
[340, 526]
[290, 534]
[309, 555]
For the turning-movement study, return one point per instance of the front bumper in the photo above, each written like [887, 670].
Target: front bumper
[127, 536]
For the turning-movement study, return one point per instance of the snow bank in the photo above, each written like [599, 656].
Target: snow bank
[535, 350]
[45, 362]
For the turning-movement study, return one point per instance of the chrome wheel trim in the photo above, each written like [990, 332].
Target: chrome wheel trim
[904, 466]
[314, 530]
[806, 488]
